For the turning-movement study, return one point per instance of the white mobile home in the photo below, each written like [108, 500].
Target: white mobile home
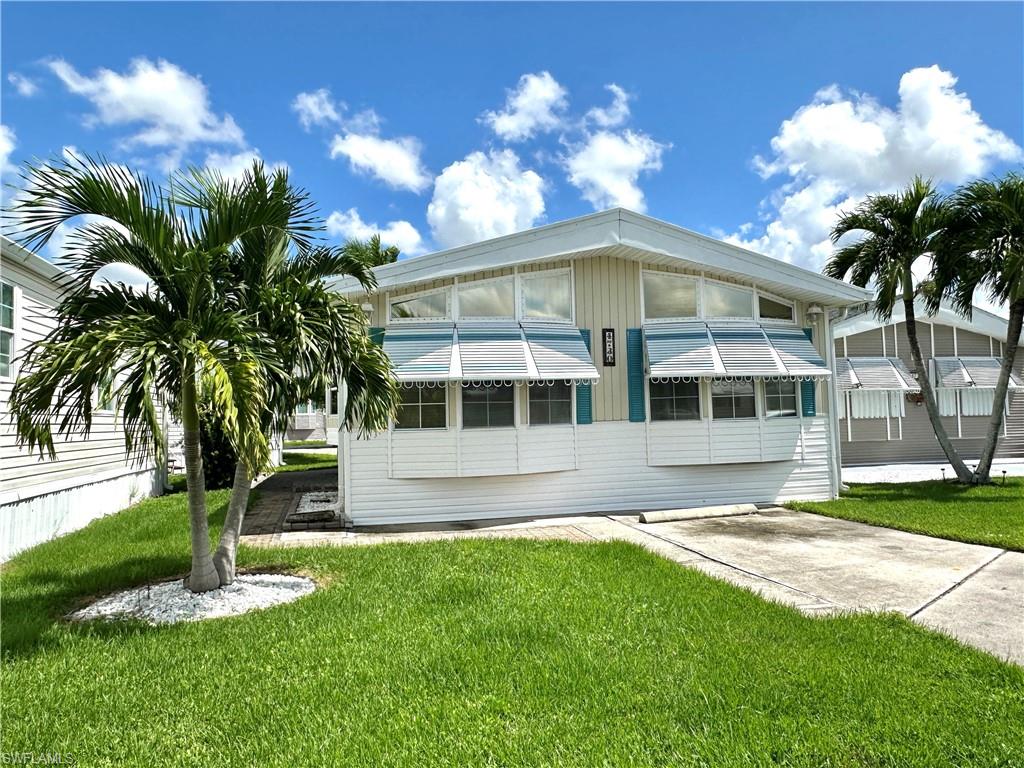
[610, 362]
[882, 415]
[90, 477]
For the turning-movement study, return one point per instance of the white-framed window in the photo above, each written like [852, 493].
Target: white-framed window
[780, 399]
[674, 400]
[105, 393]
[7, 310]
[333, 398]
[771, 309]
[550, 403]
[422, 408]
[488, 406]
[669, 297]
[426, 306]
[311, 406]
[733, 399]
[724, 301]
[488, 299]
[546, 295]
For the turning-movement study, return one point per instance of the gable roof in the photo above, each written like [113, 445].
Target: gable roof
[981, 321]
[623, 234]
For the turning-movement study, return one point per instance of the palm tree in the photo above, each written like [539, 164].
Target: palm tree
[318, 336]
[984, 250]
[897, 230]
[180, 338]
[371, 252]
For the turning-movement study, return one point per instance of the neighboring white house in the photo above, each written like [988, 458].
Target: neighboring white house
[881, 412]
[610, 362]
[90, 477]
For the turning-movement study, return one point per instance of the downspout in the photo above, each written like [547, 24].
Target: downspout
[833, 406]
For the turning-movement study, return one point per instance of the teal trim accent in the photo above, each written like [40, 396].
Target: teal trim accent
[807, 386]
[584, 392]
[377, 336]
[635, 373]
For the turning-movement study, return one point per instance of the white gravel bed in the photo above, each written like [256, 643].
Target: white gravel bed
[911, 473]
[170, 602]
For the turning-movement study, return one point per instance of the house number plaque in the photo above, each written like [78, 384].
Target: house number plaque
[608, 335]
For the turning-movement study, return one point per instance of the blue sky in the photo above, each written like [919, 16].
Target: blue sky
[449, 123]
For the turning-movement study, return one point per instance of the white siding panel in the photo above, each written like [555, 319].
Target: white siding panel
[490, 452]
[546, 448]
[677, 443]
[422, 453]
[613, 475]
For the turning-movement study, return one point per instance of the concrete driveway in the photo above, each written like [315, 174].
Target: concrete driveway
[817, 564]
[823, 565]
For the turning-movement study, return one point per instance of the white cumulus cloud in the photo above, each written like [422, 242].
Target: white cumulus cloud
[614, 114]
[316, 108]
[396, 162]
[606, 167]
[484, 196]
[232, 165]
[349, 225]
[534, 106]
[8, 141]
[23, 85]
[170, 107]
[843, 146]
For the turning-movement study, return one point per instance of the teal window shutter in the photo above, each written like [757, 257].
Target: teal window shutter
[635, 373]
[807, 387]
[377, 336]
[584, 394]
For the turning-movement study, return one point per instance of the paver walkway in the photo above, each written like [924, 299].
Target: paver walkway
[817, 564]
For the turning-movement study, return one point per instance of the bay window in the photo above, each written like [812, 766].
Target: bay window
[780, 399]
[733, 400]
[422, 408]
[675, 400]
[488, 405]
[551, 403]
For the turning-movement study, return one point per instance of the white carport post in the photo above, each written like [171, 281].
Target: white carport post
[342, 450]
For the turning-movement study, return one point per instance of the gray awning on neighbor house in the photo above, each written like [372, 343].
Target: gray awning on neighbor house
[969, 372]
[867, 373]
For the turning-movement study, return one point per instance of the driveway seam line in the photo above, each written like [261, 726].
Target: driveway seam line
[734, 567]
[958, 584]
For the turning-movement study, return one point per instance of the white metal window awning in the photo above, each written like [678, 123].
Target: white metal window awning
[969, 372]
[491, 352]
[874, 373]
[699, 351]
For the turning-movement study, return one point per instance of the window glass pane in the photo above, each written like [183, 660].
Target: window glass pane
[539, 412]
[669, 296]
[408, 417]
[5, 353]
[433, 416]
[432, 394]
[548, 297]
[724, 301]
[500, 414]
[770, 309]
[733, 400]
[497, 299]
[7, 294]
[780, 398]
[334, 402]
[474, 414]
[7, 305]
[675, 401]
[561, 412]
[744, 406]
[7, 317]
[433, 305]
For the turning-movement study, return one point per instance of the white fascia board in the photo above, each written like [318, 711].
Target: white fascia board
[649, 234]
[28, 259]
[981, 321]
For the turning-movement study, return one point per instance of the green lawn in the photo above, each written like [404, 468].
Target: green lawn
[477, 653]
[299, 462]
[988, 514]
[305, 443]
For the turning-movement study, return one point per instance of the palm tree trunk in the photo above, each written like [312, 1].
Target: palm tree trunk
[203, 576]
[963, 474]
[995, 421]
[227, 548]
